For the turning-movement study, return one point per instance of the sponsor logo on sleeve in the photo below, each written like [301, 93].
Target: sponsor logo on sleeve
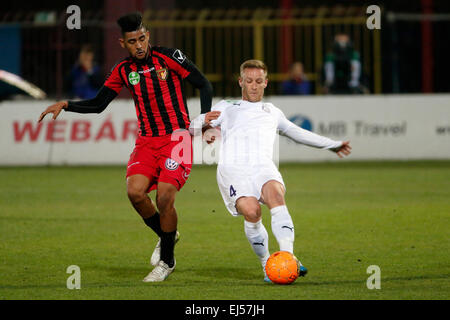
[179, 56]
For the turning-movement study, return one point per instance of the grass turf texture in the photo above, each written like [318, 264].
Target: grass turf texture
[347, 215]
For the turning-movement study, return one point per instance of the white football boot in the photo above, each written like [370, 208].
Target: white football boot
[160, 272]
[266, 277]
[156, 256]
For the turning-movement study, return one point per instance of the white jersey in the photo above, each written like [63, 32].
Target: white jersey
[248, 132]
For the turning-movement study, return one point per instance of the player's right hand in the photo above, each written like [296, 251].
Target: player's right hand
[212, 115]
[55, 109]
[344, 149]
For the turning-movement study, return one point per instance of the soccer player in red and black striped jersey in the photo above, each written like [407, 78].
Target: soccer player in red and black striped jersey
[154, 76]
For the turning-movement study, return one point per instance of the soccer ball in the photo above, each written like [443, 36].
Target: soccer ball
[282, 267]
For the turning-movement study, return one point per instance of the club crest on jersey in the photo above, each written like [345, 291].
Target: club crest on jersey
[171, 164]
[162, 74]
[134, 78]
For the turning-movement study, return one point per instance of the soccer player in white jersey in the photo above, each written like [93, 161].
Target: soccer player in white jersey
[246, 174]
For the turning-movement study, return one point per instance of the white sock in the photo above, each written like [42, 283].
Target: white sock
[283, 228]
[259, 239]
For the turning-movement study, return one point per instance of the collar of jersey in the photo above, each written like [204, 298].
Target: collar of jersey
[248, 104]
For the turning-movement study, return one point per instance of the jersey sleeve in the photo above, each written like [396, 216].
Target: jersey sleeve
[300, 135]
[114, 80]
[221, 106]
[176, 60]
[96, 105]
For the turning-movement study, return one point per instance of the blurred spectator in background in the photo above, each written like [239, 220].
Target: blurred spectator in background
[342, 70]
[85, 78]
[297, 83]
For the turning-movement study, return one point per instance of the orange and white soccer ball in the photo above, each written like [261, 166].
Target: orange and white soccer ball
[282, 267]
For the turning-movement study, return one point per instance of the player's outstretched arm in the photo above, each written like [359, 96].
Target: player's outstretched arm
[96, 105]
[306, 137]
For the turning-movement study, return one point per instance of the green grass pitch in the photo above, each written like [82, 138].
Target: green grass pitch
[347, 215]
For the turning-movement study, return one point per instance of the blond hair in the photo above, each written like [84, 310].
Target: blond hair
[253, 63]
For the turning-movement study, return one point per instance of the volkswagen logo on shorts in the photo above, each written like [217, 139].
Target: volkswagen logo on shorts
[171, 164]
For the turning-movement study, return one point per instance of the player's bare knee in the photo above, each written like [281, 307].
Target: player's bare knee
[273, 194]
[251, 211]
[135, 194]
[252, 216]
[165, 201]
[275, 199]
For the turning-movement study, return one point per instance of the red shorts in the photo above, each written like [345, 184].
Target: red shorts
[162, 160]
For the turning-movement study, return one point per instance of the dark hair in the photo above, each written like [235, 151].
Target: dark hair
[130, 22]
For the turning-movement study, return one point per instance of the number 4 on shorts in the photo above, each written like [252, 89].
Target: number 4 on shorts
[232, 191]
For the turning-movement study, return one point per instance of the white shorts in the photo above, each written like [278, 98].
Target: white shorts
[235, 182]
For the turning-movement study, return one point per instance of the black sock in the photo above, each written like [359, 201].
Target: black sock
[154, 224]
[167, 245]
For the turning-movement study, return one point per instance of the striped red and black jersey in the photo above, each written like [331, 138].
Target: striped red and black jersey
[156, 85]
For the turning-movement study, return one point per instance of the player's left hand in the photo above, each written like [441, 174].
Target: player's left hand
[212, 115]
[343, 150]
